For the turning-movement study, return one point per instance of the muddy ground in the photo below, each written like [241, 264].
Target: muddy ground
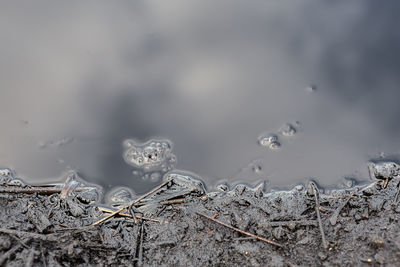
[357, 226]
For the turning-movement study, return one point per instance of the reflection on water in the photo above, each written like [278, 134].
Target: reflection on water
[77, 80]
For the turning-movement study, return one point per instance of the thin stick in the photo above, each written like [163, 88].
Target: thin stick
[396, 197]
[386, 183]
[20, 241]
[287, 223]
[335, 215]
[128, 215]
[31, 235]
[33, 190]
[317, 206]
[368, 186]
[239, 230]
[133, 215]
[130, 204]
[140, 256]
[173, 201]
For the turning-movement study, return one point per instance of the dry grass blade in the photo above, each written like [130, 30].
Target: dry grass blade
[240, 230]
[333, 219]
[317, 208]
[173, 201]
[128, 215]
[396, 197]
[131, 204]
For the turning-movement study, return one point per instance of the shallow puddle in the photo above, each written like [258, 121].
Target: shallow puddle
[240, 92]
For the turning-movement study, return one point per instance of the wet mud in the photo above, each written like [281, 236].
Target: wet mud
[180, 224]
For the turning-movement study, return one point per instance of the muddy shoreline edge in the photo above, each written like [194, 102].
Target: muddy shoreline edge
[181, 224]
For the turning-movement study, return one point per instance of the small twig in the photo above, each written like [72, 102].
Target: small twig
[369, 186]
[129, 215]
[130, 204]
[335, 215]
[239, 230]
[31, 235]
[173, 201]
[288, 223]
[245, 239]
[38, 190]
[317, 207]
[386, 183]
[133, 215]
[140, 254]
[20, 241]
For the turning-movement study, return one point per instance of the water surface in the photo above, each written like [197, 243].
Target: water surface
[78, 79]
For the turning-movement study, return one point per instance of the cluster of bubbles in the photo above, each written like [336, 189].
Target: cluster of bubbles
[384, 170]
[7, 178]
[271, 140]
[150, 157]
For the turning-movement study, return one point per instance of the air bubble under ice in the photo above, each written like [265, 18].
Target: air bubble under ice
[154, 155]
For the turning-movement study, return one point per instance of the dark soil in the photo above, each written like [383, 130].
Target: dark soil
[359, 226]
